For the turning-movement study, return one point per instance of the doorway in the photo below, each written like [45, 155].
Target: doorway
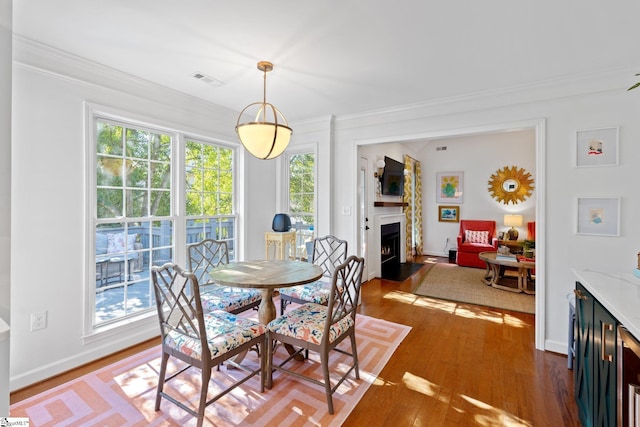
[538, 127]
[363, 214]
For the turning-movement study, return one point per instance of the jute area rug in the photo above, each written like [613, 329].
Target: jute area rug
[463, 284]
[124, 393]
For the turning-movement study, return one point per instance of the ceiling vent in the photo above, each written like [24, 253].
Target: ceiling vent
[207, 79]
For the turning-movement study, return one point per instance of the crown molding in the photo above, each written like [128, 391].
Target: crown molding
[38, 57]
[617, 79]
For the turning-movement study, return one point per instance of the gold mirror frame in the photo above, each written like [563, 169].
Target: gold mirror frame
[511, 185]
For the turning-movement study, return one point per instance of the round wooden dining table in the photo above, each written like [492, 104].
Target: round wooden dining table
[266, 276]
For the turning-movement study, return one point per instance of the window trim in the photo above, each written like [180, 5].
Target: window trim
[144, 322]
[288, 154]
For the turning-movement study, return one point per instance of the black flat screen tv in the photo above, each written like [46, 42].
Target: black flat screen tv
[392, 177]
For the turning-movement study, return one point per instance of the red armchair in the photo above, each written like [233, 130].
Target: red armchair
[475, 236]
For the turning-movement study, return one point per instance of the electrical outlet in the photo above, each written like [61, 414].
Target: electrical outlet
[38, 320]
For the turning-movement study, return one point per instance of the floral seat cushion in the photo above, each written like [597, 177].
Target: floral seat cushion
[225, 332]
[307, 323]
[316, 292]
[217, 297]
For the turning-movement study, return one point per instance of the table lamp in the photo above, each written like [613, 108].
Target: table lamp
[512, 221]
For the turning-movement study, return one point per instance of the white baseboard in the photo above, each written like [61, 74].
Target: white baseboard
[439, 254]
[50, 370]
[556, 347]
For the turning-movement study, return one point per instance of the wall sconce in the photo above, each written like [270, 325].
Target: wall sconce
[380, 164]
[512, 221]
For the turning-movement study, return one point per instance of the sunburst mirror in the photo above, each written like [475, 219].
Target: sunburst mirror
[511, 185]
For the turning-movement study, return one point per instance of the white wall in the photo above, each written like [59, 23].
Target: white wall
[260, 205]
[5, 193]
[479, 157]
[588, 102]
[48, 241]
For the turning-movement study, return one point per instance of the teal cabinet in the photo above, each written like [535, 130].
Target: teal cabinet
[595, 364]
[583, 365]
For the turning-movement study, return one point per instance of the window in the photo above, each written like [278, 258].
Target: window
[209, 194]
[136, 217]
[302, 198]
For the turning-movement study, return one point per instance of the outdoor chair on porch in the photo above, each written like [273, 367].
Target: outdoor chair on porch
[200, 340]
[117, 254]
[328, 253]
[319, 328]
[206, 255]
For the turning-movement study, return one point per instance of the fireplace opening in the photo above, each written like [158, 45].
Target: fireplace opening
[389, 249]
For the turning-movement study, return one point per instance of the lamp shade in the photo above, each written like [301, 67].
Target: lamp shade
[264, 140]
[513, 220]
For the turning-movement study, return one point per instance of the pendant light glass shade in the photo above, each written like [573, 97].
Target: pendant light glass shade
[268, 135]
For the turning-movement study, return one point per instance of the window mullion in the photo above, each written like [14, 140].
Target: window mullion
[178, 167]
[145, 226]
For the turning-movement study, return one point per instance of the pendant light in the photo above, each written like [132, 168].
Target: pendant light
[268, 135]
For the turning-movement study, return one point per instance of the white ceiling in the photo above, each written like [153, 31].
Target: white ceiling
[340, 56]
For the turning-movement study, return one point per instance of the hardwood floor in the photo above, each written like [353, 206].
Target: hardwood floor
[460, 365]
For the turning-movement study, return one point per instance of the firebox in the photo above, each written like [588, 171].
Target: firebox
[389, 248]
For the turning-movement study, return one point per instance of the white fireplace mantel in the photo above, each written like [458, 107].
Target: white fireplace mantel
[379, 220]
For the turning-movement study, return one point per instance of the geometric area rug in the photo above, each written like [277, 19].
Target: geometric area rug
[464, 284]
[124, 393]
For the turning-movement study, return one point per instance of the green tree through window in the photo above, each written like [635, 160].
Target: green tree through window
[135, 210]
[133, 223]
[302, 193]
[209, 193]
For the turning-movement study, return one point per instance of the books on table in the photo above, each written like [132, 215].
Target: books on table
[506, 257]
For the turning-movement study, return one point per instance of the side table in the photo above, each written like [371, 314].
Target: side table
[279, 240]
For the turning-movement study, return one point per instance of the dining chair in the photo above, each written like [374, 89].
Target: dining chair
[207, 255]
[319, 328]
[200, 340]
[328, 253]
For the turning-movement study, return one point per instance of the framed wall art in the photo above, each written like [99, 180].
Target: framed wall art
[597, 147]
[598, 216]
[449, 213]
[450, 187]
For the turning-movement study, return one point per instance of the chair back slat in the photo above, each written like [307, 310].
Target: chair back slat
[345, 291]
[328, 253]
[178, 303]
[206, 255]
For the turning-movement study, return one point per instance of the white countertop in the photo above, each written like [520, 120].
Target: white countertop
[619, 293]
[4, 330]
